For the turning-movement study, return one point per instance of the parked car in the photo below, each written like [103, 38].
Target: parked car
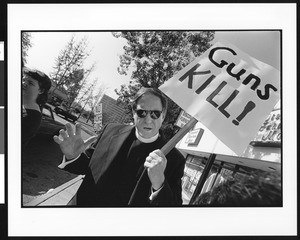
[49, 126]
[59, 110]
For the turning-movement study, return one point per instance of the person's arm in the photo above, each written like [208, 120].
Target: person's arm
[73, 147]
[66, 162]
[71, 143]
[170, 192]
[30, 124]
[154, 192]
[79, 163]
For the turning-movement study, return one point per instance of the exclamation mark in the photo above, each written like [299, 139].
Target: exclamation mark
[250, 105]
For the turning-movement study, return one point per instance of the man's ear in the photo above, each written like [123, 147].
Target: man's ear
[164, 113]
[41, 91]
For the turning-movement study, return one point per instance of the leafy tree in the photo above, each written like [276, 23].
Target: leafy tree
[26, 44]
[69, 74]
[153, 57]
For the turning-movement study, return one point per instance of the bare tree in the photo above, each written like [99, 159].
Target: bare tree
[69, 73]
[90, 96]
[95, 99]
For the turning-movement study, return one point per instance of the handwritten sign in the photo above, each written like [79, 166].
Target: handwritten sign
[98, 117]
[270, 131]
[194, 136]
[98, 109]
[227, 90]
[182, 119]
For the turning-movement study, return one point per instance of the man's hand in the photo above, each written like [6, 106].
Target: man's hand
[71, 143]
[156, 164]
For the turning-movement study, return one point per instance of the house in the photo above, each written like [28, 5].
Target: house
[111, 111]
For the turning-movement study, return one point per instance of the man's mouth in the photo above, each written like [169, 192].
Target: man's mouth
[147, 128]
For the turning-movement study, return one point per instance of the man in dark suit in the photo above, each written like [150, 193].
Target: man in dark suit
[115, 162]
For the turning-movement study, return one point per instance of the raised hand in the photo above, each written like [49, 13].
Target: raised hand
[71, 143]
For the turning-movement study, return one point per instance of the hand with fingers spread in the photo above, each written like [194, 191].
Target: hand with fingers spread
[156, 164]
[71, 143]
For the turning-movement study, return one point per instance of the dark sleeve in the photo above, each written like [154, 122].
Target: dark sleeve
[80, 165]
[30, 124]
[170, 194]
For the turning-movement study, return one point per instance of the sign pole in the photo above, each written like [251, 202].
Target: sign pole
[203, 177]
[165, 149]
[178, 136]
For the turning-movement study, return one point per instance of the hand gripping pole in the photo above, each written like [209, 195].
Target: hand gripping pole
[165, 149]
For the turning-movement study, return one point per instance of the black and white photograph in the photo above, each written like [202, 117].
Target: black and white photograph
[142, 62]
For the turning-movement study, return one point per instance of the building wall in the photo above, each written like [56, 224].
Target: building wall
[111, 111]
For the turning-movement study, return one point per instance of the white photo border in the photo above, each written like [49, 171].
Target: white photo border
[152, 221]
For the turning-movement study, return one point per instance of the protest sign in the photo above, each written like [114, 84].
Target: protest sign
[194, 137]
[98, 117]
[228, 91]
[270, 131]
[183, 119]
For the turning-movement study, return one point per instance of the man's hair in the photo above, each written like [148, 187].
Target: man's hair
[256, 190]
[44, 83]
[152, 91]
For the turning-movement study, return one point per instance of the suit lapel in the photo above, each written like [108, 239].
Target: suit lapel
[116, 141]
[102, 159]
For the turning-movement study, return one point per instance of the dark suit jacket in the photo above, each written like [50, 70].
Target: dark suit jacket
[96, 160]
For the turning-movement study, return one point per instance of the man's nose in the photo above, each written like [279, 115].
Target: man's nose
[148, 118]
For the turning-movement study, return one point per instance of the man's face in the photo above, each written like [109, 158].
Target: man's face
[147, 126]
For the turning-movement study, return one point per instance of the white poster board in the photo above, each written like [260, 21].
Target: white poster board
[227, 90]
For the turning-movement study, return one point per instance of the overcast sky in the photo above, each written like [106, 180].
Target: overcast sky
[262, 45]
[265, 46]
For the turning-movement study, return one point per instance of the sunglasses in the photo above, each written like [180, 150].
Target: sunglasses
[154, 114]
